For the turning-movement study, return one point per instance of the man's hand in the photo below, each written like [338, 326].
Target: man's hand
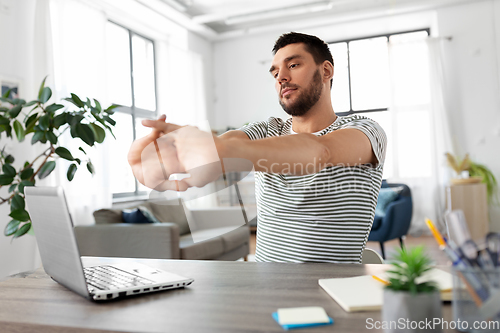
[197, 154]
[180, 150]
[144, 157]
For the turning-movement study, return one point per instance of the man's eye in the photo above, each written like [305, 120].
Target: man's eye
[275, 75]
[293, 65]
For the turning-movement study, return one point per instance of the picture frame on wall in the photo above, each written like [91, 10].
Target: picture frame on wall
[12, 84]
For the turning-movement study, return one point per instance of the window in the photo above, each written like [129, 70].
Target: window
[130, 82]
[368, 73]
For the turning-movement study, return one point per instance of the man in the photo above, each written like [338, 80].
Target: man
[317, 174]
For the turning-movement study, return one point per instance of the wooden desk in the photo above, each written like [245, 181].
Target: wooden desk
[225, 297]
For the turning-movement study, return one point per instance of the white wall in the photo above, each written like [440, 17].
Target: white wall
[204, 48]
[472, 74]
[244, 91]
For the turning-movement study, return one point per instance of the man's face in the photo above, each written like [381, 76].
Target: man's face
[298, 79]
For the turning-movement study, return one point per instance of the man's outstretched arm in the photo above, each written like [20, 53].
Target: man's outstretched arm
[292, 154]
[300, 153]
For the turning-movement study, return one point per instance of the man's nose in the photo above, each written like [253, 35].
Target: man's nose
[283, 76]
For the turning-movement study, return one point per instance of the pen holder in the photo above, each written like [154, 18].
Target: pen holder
[476, 299]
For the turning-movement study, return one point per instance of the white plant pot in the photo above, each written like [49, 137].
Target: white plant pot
[403, 312]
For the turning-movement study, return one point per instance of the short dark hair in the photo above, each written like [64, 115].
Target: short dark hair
[315, 46]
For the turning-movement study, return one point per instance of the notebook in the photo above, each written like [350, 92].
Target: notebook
[364, 293]
[290, 318]
[360, 293]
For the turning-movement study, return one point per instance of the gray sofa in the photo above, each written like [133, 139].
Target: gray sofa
[216, 233]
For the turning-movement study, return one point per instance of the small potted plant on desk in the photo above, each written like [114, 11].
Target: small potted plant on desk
[405, 299]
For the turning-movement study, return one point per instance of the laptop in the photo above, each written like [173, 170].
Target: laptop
[61, 259]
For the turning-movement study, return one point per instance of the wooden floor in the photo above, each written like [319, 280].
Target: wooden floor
[428, 241]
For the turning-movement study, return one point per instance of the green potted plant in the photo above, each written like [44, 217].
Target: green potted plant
[87, 122]
[405, 298]
[475, 173]
[487, 177]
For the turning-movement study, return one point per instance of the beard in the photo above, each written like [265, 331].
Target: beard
[306, 100]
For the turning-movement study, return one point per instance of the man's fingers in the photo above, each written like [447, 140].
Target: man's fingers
[134, 154]
[160, 125]
[172, 185]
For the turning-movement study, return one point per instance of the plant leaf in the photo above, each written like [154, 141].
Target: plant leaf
[90, 167]
[64, 153]
[97, 105]
[18, 128]
[17, 203]
[110, 131]
[11, 227]
[31, 103]
[85, 133]
[9, 159]
[12, 188]
[52, 137]
[76, 119]
[7, 129]
[30, 123]
[46, 94]
[111, 107]
[14, 112]
[46, 169]
[109, 120]
[23, 230]
[60, 120]
[42, 85]
[6, 180]
[20, 215]
[82, 150]
[4, 121]
[53, 108]
[38, 136]
[25, 183]
[77, 100]
[9, 170]
[44, 121]
[73, 131]
[71, 171]
[19, 101]
[27, 173]
[99, 133]
[6, 94]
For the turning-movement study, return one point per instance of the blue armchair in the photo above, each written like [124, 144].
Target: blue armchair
[396, 221]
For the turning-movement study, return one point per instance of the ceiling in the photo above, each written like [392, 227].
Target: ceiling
[217, 19]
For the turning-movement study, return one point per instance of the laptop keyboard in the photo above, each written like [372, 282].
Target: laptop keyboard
[109, 278]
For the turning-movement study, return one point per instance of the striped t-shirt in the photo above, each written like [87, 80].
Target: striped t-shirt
[321, 217]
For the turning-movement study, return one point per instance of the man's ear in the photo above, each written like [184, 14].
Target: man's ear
[327, 70]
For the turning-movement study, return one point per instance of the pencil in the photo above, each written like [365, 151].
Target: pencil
[435, 232]
[380, 280]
